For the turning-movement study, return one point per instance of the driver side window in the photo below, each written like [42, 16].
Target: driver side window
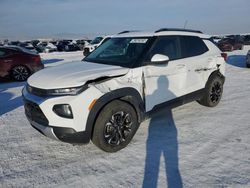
[168, 45]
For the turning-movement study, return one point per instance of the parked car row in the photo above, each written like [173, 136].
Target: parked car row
[247, 40]
[231, 42]
[18, 60]
[49, 46]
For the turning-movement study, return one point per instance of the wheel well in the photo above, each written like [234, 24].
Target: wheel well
[217, 73]
[132, 97]
[136, 107]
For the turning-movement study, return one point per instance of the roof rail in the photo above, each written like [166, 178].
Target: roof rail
[177, 29]
[123, 32]
[127, 31]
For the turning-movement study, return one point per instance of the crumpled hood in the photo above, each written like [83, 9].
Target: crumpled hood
[73, 74]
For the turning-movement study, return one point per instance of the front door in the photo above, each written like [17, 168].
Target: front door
[168, 81]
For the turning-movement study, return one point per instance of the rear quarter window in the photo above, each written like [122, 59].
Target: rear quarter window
[192, 46]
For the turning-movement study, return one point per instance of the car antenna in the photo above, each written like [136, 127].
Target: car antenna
[185, 24]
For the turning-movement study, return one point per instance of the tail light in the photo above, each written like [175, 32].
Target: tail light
[36, 59]
[224, 55]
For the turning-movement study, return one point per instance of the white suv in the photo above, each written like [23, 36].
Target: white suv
[94, 44]
[105, 97]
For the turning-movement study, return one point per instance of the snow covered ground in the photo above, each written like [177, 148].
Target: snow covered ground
[188, 146]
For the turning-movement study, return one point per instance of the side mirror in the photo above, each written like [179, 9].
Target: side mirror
[160, 59]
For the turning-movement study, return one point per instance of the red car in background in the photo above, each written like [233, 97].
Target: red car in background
[230, 44]
[18, 63]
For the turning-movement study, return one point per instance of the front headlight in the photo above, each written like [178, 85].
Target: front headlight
[66, 91]
[56, 92]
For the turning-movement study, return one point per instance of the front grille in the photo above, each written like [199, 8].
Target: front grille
[34, 113]
[37, 91]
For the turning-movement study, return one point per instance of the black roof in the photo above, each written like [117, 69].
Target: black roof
[127, 31]
[177, 29]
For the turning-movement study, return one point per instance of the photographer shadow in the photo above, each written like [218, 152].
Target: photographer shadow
[162, 140]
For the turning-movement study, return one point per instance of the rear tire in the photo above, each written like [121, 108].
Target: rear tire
[20, 73]
[115, 126]
[248, 65]
[213, 91]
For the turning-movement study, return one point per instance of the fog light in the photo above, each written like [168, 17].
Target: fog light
[63, 110]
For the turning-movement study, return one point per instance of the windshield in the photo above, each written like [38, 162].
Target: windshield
[122, 52]
[97, 40]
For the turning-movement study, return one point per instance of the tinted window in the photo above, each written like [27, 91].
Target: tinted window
[192, 46]
[123, 52]
[168, 46]
[105, 40]
[97, 40]
[2, 53]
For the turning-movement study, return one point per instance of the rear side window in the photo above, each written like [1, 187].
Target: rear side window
[192, 46]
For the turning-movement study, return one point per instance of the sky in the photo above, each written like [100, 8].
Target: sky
[30, 19]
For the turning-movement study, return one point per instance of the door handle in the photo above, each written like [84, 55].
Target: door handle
[201, 69]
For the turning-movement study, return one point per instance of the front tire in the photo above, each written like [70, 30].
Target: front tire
[115, 126]
[20, 73]
[213, 91]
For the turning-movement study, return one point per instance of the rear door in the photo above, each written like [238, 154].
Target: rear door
[196, 58]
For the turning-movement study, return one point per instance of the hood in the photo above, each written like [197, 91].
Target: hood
[73, 74]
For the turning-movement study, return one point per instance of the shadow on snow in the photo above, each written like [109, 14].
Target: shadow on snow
[49, 61]
[8, 101]
[162, 141]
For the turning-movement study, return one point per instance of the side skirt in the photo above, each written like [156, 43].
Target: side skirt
[196, 95]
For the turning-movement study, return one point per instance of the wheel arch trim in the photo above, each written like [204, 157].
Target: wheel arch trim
[128, 94]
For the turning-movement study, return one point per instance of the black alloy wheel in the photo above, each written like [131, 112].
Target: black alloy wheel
[118, 128]
[115, 126]
[20, 73]
[216, 92]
